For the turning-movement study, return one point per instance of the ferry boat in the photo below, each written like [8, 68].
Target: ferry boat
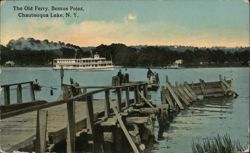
[95, 63]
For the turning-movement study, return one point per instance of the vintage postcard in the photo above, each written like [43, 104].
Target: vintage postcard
[121, 76]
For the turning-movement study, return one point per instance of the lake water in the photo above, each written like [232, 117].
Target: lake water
[201, 120]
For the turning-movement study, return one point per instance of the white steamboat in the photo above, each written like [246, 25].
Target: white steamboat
[88, 64]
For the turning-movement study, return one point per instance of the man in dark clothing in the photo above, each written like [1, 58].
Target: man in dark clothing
[120, 76]
[149, 73]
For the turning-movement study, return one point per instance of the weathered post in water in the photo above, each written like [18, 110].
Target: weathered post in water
[61, 75]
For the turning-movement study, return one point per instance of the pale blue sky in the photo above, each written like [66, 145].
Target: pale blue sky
[161, 22]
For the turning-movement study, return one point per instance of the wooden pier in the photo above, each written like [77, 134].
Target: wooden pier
[79, 122]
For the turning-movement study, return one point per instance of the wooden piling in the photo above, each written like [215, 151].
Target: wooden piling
[32, 93]
[202, 86]
[6, 90]
[136, 97]
[145, 91]
[41, 131]
[167, 79]
[127, 97]
[107, 103]
[163, 95]
[119, 99]
[71, 127]
[19, 93]
[90, 114]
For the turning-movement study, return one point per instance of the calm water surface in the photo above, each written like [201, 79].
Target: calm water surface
[201, 120]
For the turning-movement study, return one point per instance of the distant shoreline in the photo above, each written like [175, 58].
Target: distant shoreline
[153, 67]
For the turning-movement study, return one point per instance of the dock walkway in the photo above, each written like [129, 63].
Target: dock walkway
[21, 130]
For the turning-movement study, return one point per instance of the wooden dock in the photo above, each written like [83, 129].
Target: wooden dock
[104, 125]
[19, 131]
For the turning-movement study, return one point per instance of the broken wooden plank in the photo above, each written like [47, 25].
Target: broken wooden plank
[169, 88]
[177, 92]
[169, 99]
[145, 100]
[226, 84]
[190, 90]
[137, 120]
[124, 129]
[188, 93]
[183, 93]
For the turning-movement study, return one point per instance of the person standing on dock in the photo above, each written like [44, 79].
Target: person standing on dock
[149, 73]
[120, 76]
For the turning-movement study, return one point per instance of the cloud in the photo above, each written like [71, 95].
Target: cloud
[131, 17]
[93, 33]
[246, 1]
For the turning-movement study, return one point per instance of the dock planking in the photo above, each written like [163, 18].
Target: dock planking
[20, 130]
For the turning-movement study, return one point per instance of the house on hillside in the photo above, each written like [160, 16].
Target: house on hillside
[9, 63]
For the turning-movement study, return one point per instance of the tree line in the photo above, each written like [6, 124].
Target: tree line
[128, 56]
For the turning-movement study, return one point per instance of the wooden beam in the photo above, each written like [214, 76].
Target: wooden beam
[188, 93]
[145, 90]
[19, 94]
[54, 103]
[127, 97]
[226, 84]
[146, 101]
[169, 88]
[90, 114]
[41, 130]
[124, 129]
[15, 107]
[190, 90]
[177, 92]
[71, 127]
[6, 90]
[119, 99]
[163, 95]
[202, 86]
[183, 93]
[14, 84]
[107, 103]
[168, 98]
[136, 97]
